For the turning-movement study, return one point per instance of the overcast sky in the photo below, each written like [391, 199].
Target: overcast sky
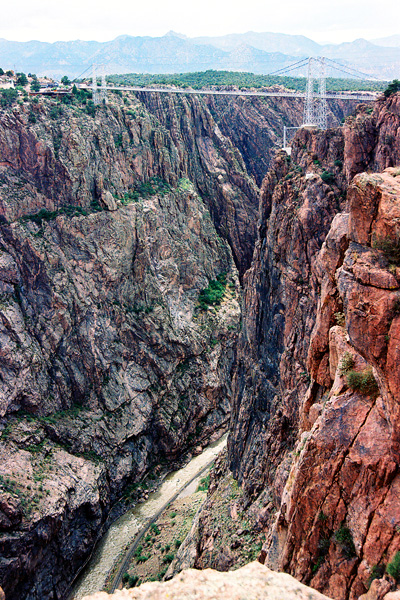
[333, 21]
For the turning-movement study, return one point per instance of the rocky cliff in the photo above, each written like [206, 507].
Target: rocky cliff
[315, 419]
[124, 231]
[118, 227]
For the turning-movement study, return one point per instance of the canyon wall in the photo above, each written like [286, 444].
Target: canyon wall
[315, 420]
[112, 224]
[109, 365]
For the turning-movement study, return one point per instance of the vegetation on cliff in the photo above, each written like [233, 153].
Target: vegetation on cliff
[245, 80]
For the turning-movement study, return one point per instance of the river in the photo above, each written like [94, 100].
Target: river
[125, 529]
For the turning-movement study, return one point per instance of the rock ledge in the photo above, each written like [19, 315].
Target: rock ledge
[252, 582]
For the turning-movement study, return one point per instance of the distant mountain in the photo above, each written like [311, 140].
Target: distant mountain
[392, 41]
[296, 45]
[171, 53]
[260, 53]
[382, 62]
[44, 58]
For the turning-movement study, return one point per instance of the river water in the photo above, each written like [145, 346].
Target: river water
[122, 532]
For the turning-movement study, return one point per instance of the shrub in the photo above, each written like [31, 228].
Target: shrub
[345, 539]
[132, 580]
[8, 97]
[363, 381]
[168, 558]
[142, 558]
[338, 163]
[204, 484]
[389, 247]
[213, 294]
[327, 177]
[118, 141]
[155, 529]
[35, 85]
[393, 567]
[22, 79]
[49, 215]
[347, 363]
[56, 112]
[90, 108]
[377, 572]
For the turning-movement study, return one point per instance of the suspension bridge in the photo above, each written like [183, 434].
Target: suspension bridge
[316, 97]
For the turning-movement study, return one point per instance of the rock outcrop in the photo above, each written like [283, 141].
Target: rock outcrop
[252, 582]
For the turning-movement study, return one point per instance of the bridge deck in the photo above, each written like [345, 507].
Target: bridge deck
[338, 96]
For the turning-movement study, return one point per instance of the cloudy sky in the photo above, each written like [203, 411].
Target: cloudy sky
[323, 21]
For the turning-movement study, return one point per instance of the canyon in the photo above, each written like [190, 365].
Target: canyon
[116, 360]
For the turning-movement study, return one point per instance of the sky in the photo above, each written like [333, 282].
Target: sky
[323, 21]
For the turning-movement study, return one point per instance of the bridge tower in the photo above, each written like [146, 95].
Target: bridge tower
[99, 95]
[103, 89]
[315, 110]
[95, 95]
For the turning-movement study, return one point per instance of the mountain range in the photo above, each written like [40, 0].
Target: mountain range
[174, 52]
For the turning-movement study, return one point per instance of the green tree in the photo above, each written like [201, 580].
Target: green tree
[22, 79]
[9, 73]
[35, 85]
[392, 88]
[8, 97]
[1, 72]
[65, 80]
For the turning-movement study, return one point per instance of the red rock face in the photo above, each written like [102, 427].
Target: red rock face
[372, 140]
[338, 511]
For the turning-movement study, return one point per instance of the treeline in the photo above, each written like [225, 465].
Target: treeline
[205, 79]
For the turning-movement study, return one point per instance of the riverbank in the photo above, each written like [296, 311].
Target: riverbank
[157, 548]
[126, 530]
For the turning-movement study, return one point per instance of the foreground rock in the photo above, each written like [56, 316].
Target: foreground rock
[253, 582]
